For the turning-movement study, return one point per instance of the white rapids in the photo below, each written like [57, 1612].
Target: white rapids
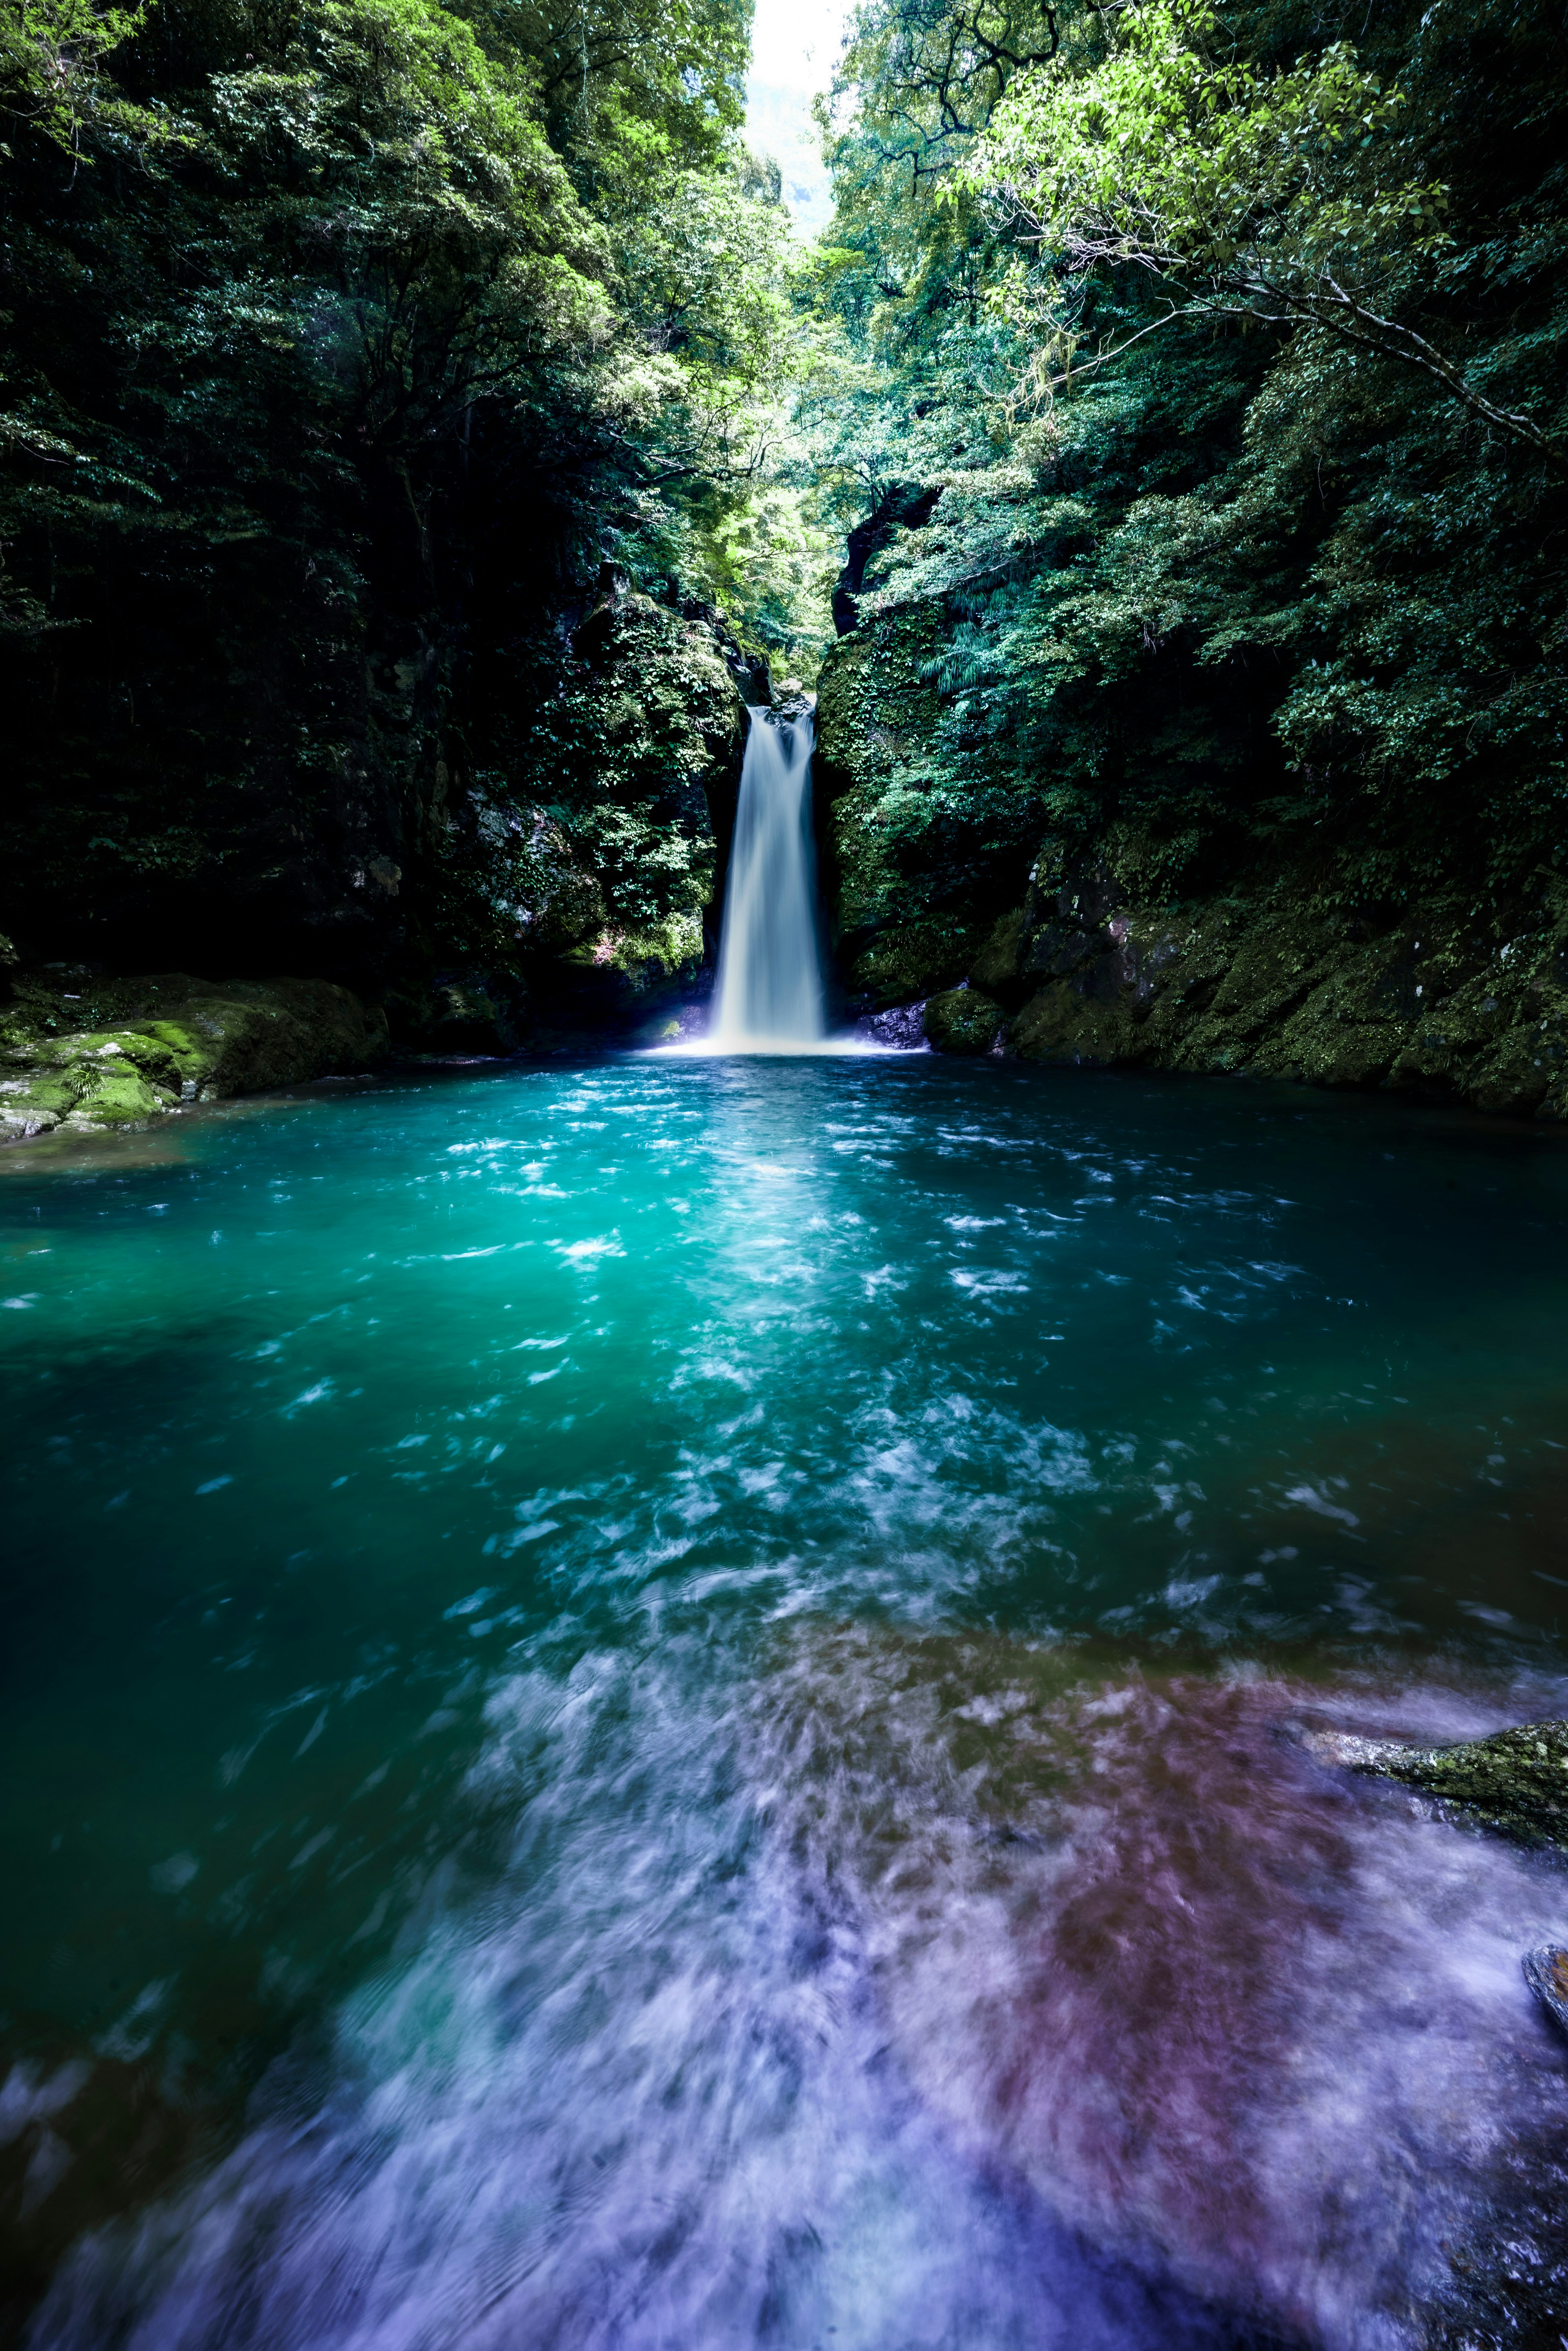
[770, 992]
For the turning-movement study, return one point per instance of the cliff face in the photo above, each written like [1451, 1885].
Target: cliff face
[1272, 982]
[912, 886]
[1272, 973]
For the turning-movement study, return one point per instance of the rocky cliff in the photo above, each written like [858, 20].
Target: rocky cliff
[1273, 981]
[1076, 958]
[913, 880]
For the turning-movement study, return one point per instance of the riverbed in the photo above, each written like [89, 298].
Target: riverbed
[660, 1703]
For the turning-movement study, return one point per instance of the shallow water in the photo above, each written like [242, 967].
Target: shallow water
[652, 1704]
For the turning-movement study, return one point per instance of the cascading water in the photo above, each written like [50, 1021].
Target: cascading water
[770, 992]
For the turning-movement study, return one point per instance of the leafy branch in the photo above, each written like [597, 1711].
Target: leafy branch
[1242, 194]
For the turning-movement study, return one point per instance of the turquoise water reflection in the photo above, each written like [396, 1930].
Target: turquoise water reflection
[487, 1556]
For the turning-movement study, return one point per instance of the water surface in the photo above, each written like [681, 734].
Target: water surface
[653, 1704]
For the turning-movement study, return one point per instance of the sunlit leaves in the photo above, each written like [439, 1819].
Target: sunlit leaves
[51, 53]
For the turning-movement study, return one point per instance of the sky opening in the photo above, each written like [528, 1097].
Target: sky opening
[795, 46]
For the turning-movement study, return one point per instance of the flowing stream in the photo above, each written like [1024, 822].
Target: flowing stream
[654, 1706]
[769, 989]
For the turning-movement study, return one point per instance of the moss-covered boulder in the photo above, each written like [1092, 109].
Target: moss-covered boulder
[963, 1020]
[1514, 1784]
[114, 1053]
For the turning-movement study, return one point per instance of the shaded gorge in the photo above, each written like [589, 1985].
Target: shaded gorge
[668, 1702]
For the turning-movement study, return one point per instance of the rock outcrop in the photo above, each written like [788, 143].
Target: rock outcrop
[964, 1020]
[938, 894]
[1270, 982]
[79, 1052]
[1514, 1784]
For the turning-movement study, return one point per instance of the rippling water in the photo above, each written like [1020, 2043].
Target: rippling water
[654, 1705]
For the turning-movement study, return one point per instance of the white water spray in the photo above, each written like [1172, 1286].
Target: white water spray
[770, 992]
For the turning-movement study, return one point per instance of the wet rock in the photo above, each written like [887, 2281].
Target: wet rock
[1270, 982]
[1546, 1973]
[901, 1027]
[963, 1020]
[80, 1050]
[1514, 1784]
[792, 700]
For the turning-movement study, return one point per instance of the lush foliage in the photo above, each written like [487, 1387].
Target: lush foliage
[1234, 342]
[396, 394]
[347, 353]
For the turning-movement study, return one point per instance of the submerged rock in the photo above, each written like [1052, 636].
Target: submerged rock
[79, 1051]
[1515, 1782]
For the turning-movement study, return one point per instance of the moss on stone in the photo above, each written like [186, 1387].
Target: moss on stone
[1269, 982]
[963, 1020]
[115, 1093]
[1515, 1783]
[194, 1039]
[1060, 1024]
[34, 1104]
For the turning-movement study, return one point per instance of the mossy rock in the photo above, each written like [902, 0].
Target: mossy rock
[1271, 983]
[1061, 1024]
[962, 1021]
[194, 1041]
[909, 961]
[1514, 1784]
[114, 1091]
[34, 1104]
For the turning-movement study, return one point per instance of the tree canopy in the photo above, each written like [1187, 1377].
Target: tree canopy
[1231, 341]
[1198, 367]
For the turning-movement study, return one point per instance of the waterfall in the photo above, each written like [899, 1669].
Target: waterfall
[770, 992]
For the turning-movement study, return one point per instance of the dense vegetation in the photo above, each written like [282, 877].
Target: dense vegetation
[1233, 343]
[396, 395]
[357, 354]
